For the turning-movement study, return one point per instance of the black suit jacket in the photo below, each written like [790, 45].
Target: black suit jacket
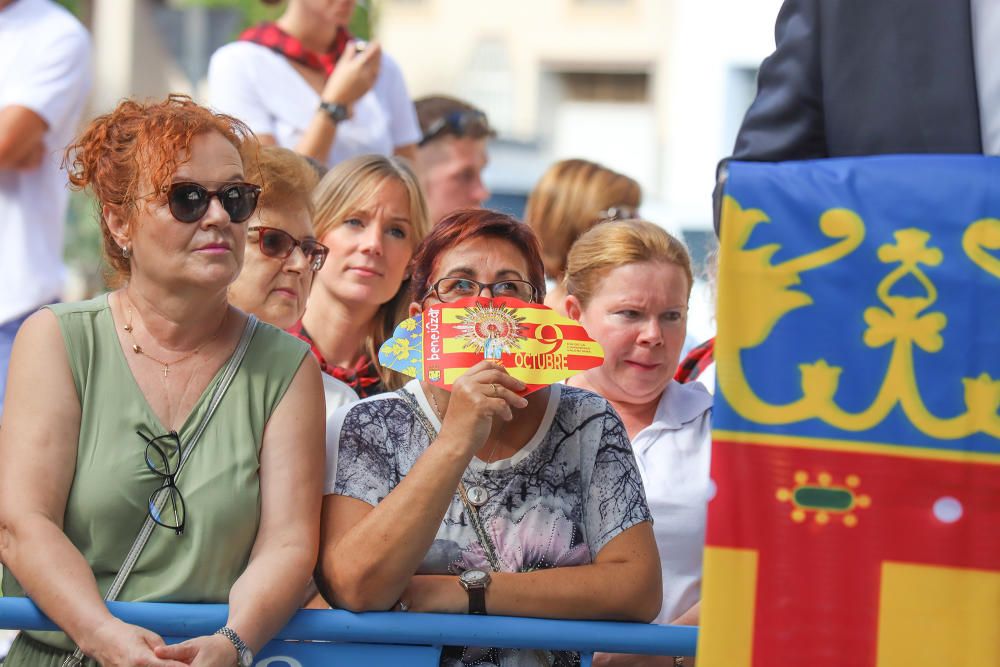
[863, 77]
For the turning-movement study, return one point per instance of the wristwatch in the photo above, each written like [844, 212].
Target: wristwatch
[475, 583]
[336, 112]
[244, 656]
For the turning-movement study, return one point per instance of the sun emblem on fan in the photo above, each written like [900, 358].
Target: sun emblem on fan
[492, 329]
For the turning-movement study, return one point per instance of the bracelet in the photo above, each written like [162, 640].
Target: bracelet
[678, 661]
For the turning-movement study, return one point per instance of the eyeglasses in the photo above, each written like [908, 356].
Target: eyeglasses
[279, 244]
[460, 123]
[619, 212]
[159, 452]
[189, 202]
[453, 289]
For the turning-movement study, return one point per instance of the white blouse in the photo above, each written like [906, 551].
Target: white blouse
[673, 454]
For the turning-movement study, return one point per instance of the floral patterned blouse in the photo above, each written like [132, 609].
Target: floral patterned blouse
[571, 489]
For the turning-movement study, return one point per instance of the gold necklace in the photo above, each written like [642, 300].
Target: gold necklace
[477, 493]
[165, 365]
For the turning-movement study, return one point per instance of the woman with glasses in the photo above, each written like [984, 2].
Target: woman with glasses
[480, 500]
[570, 198]
[371, 214]
[629, 283]
[305, 83]
[157, 419]
[283, 255]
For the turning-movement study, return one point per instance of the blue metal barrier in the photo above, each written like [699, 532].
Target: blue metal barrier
[315, 637]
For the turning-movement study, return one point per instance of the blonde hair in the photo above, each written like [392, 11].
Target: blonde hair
[571, 197]
[287, 180]
[612, 244]
[344, 188]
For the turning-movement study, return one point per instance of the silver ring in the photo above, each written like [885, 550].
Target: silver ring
[402, 605]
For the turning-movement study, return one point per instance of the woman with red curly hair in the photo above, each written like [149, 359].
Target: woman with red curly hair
[159, 444]
[480, 500]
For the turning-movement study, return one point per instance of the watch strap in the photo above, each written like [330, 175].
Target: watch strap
[477, 600]
[336, 112]
[237, 642]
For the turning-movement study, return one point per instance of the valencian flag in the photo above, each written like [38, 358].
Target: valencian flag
[855, 517]
[533, 342]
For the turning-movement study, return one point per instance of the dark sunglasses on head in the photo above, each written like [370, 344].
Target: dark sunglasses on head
[461, 124]
[279, 244]
[189, 202]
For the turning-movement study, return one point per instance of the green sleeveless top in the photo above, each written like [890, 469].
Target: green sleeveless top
[220, 483]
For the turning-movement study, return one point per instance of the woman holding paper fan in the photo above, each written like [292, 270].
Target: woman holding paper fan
[371, 213]
[157, 443]
[482, 500]
[609, 274]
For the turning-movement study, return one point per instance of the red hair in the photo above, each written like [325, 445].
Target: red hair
[141, 144]
[472, 223]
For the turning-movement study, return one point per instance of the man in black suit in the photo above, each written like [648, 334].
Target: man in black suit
[867, 77]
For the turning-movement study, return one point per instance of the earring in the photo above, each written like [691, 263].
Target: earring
[126, 253]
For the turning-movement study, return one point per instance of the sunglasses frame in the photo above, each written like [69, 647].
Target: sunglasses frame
[314, 264]
[459, 124]
[208, 194]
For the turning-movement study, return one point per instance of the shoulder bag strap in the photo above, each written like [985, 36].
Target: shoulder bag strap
[147, 527]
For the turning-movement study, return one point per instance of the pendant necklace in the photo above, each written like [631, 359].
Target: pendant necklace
[477, 493]
[165, 365]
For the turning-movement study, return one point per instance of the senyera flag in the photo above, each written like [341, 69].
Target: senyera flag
[856, 447]
[533, 342]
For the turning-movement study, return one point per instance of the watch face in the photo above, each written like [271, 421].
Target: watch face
[474, 577]
[246, 658]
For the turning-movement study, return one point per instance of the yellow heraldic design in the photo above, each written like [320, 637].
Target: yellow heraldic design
[904, 322]
[756, 294]
[981, 236]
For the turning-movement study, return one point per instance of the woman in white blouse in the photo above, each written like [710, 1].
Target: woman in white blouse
[303, 82]
[628, 283]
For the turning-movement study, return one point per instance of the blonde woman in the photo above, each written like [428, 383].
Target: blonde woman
[571, 197]
[371, 213]
[628, 284]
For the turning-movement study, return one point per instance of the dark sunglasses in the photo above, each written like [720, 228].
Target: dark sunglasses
[188, 202]
[461, 124]
[453, 289]
[279, 244]
[160, 451]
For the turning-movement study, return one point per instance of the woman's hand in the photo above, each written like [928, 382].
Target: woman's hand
[209, 651]
[354, 75]
[483, 393]
[118, 644]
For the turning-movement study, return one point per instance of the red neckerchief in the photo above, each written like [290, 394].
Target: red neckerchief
[270, 35]
[696, 361]
[363, 378]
